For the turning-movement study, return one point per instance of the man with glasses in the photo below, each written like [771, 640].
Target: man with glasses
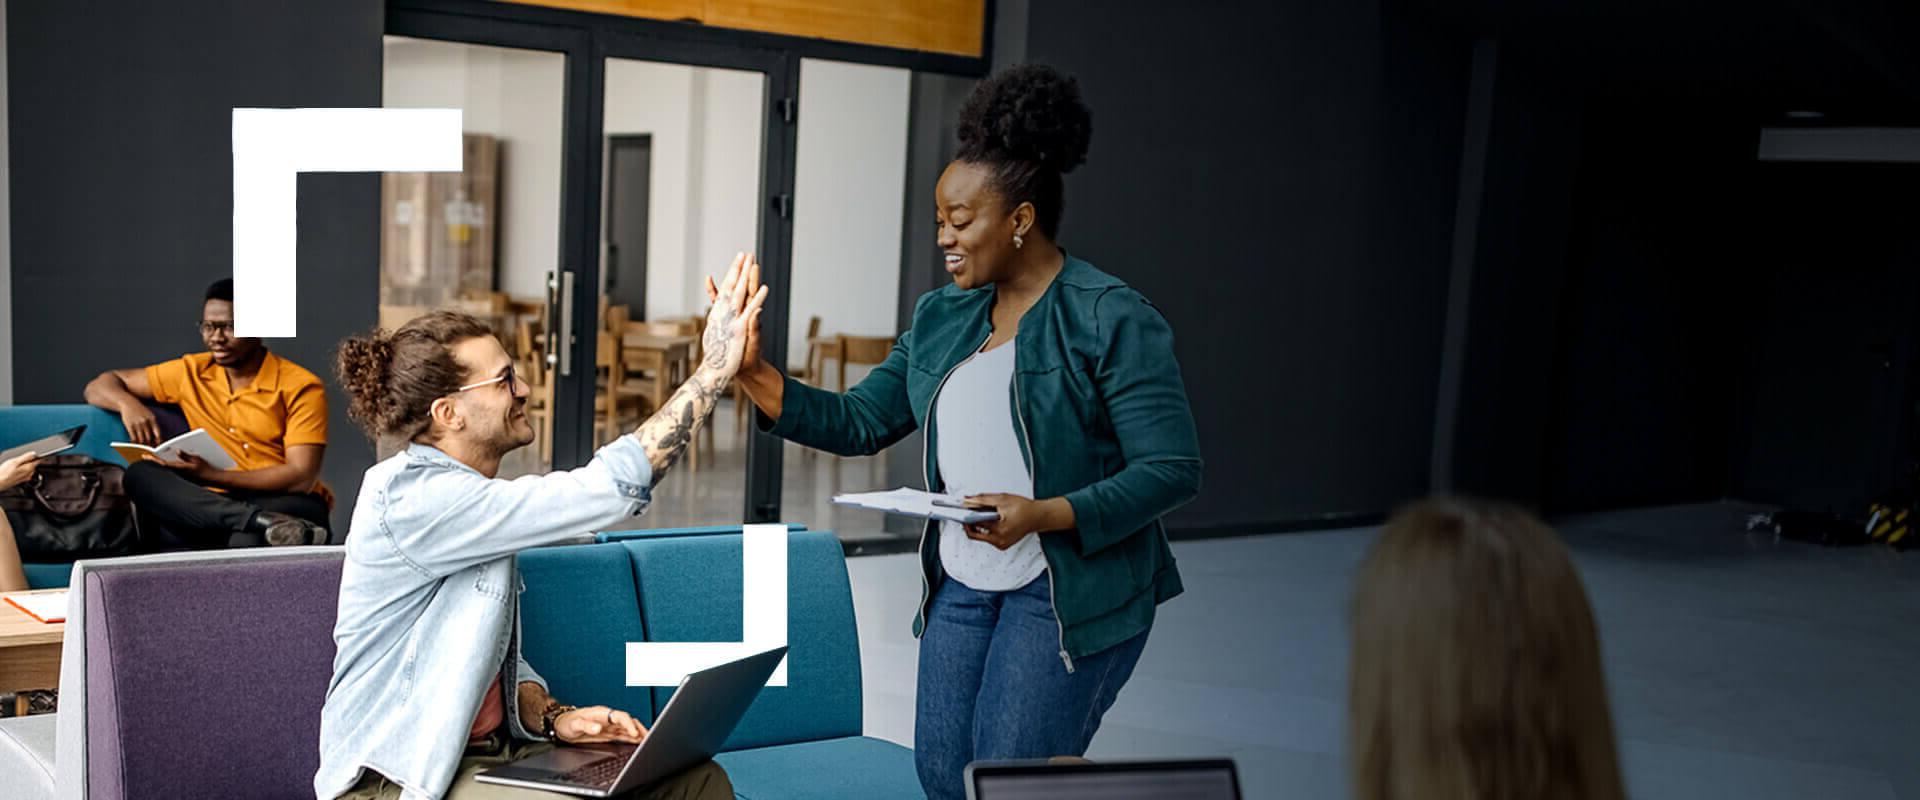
[266, 412]
[429, 684]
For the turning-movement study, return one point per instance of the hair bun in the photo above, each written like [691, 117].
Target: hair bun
[363, 366]
[1030, 113]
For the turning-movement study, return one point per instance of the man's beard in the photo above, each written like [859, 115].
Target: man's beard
[508, 440]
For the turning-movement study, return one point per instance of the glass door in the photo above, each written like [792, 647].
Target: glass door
[609, 173]
[486, 240]
[690, 146]
[500, 240]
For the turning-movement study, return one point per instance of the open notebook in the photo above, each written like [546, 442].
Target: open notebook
[48, 607]
[196, 441]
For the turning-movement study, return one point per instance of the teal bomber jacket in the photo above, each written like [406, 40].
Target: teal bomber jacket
[1102, 417]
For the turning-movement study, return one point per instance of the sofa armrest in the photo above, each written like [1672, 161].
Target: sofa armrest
[26, 755]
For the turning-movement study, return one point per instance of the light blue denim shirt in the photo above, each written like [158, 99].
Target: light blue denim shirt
[430, 600]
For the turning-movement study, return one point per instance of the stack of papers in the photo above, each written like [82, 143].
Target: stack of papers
[48, 607]
[915, 503]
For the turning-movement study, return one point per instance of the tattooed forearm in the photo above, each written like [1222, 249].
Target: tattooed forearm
[666, 434]
[719, 337]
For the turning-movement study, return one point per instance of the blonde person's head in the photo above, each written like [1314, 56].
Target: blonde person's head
[1475, 671]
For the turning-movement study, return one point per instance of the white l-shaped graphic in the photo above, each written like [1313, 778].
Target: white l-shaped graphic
[272, 146]
[763, 621]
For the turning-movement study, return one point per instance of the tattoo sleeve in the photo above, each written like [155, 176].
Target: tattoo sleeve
[666, 434]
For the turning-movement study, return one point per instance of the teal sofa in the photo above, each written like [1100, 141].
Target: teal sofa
[22, 424]
[801, 741]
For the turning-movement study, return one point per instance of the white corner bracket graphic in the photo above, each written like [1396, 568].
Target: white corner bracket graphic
[272, 146]
[763, 622]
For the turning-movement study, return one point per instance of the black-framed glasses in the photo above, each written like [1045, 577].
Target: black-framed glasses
[211, 328]
[507, 378]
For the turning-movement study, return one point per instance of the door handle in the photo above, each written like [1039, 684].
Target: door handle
[552, 349]
[565, 329]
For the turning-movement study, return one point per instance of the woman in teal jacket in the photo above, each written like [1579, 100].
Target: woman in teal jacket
[1049, 392]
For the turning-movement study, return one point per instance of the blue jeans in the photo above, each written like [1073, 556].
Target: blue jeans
[993, 686]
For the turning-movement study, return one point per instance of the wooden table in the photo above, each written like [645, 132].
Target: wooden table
[29, 650]
[664, 356]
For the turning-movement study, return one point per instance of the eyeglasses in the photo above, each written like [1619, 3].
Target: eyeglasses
[211, 328]
[504, 377]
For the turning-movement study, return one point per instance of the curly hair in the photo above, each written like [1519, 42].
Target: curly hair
[392, 378]
[1028, 125]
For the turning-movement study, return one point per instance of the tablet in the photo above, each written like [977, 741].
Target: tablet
[64, 440]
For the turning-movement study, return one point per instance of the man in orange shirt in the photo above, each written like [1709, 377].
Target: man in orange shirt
[265, 411]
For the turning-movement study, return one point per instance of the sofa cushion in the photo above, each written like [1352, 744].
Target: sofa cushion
[22, 424]
[48, 576]
[848, 768]
[26, 756]
[576, 617]
[690, 591]
[206, 679]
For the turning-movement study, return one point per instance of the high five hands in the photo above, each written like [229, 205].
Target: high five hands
[732, 339]
[742, 349]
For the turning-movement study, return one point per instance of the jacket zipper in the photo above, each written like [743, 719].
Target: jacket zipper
[926, 472]
[1052, 598]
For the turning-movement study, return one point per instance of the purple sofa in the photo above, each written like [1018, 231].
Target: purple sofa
[185, 675]
[236, 655]
[201, 674]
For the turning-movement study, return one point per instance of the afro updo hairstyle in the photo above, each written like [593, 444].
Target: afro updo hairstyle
[1028, 126]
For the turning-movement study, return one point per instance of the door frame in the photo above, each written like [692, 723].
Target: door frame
[572, 432]
[587, 40]
[775, 247]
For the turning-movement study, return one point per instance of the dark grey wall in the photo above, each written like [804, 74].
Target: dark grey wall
[1279, 179]
[1518, 274]
[1826, 384]
[121, 174]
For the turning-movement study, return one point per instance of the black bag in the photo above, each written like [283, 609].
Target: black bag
[73, 507]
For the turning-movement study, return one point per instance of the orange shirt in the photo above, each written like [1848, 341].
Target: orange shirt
[284, 406]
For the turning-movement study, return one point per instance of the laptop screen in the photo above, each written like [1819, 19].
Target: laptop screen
[1166, 780]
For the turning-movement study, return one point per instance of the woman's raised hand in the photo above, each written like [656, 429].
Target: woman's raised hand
[732, 336]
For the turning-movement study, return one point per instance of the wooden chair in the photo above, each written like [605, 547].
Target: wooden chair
[809, 373]
[531, 363]
[614, 393]
[861, 350]
[616, 317]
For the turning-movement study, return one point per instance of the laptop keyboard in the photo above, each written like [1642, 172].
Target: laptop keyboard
[598, 774]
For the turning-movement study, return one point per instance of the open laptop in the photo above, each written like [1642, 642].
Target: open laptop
[1201, 779]
[696, 722]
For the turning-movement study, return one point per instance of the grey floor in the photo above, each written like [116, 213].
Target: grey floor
[1738, 667]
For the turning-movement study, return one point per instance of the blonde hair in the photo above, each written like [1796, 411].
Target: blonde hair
[1475, 669]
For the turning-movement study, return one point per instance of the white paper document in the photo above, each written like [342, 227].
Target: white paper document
[47, 607]
[915, 503]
